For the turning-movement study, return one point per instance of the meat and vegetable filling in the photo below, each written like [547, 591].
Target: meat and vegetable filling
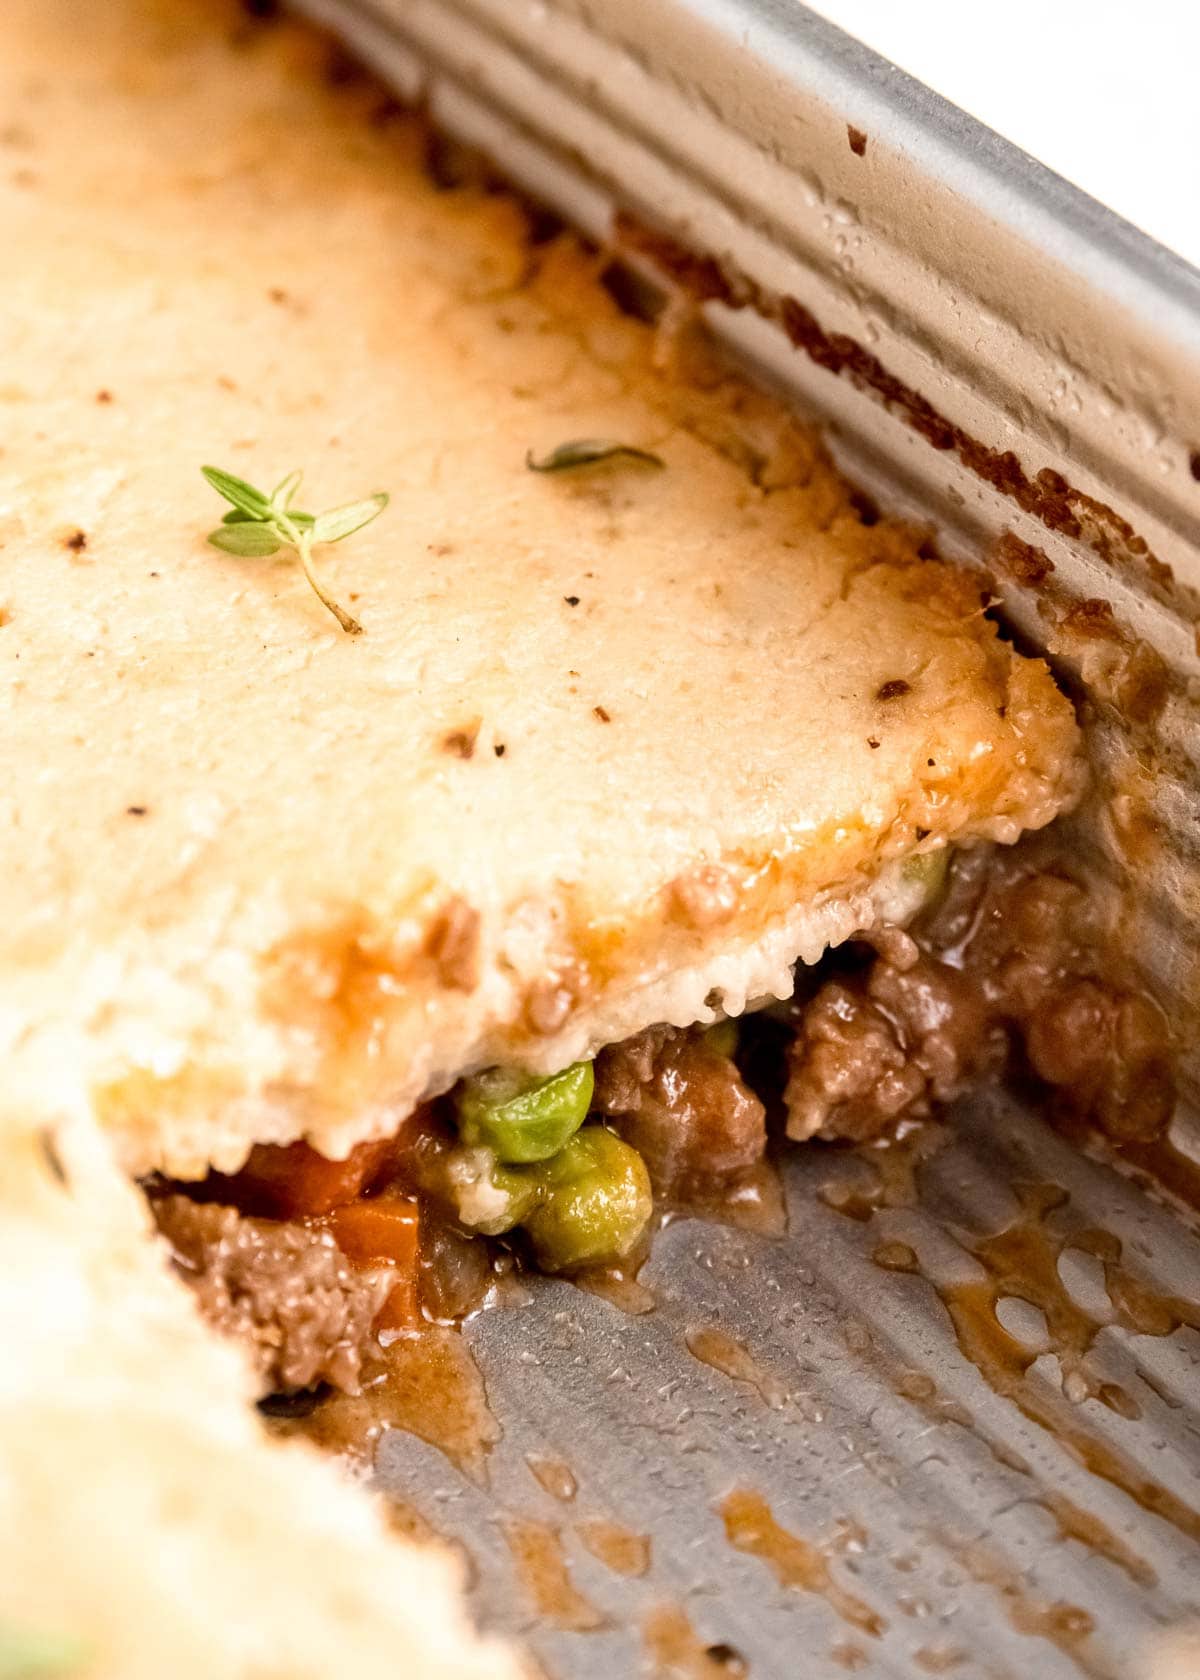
[311, 1261]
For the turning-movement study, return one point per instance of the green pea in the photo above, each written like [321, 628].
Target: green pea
[520, 1117]
[595, 1203]
[928, 870]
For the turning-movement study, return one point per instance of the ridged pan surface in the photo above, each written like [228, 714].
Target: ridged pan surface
[948, 1424]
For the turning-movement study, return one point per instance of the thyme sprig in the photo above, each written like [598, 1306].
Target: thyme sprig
[589, 452]
[258, 525]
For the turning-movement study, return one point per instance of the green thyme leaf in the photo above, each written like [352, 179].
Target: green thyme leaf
[284, 492]
[258, 525]
[589, 452]
[250, 540]
[342, 522]
[237, 491]
[236, 516]
[38, 1654]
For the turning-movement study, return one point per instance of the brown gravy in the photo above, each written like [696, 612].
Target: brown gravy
[428, 1384]
[674, 1650]
[618, 1548]
[720, 1352]
[750, 1527]
[541, 1564]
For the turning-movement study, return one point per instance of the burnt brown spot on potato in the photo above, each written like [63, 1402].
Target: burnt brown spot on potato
[894, 689]
[76, 542]
[461, 742]
[857, 139]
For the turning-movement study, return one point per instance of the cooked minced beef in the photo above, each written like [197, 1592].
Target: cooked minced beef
[683, 1106]
[286, 1291]
[888, 1042]
[1010, 953]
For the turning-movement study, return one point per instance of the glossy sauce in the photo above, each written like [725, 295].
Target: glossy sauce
[850, 1657]
[1065, 1626]
[939, 1659]
[428, 1384]
[892, 1165]
[1021, 1261]
[756, 1203]
[751, 1528]
[541, 1565]
[619, 1286]
[720, 1352]
[617, 1548]
[674, 1650]
[1159, 1166]
[552, 1474]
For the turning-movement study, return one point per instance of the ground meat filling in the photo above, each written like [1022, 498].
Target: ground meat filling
[684, 1107]
[1010, 956]
[888, 1043]
[285, 1291]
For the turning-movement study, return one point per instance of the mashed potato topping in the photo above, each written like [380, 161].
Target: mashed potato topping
[617, 745]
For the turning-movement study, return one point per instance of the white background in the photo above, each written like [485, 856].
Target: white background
[1106, 92]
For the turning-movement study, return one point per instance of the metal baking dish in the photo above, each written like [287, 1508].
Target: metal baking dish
[992, 352]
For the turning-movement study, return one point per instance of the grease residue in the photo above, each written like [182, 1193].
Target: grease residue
[750, 1527]
[619, 1286]
[427, 1383]
[541, 1564]
[618, 1548]
[895, 1257]
[884, 1173]
[1065, 1626]
[554, 1476]
[675, 1651]
[940, 1659]
[1021, 1261]
[850, 1657]
[404, 1518]
[756, 1203]
[1074, 1523]
[720, 1352]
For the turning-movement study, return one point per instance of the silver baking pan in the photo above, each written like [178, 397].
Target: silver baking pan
[950, 1422]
